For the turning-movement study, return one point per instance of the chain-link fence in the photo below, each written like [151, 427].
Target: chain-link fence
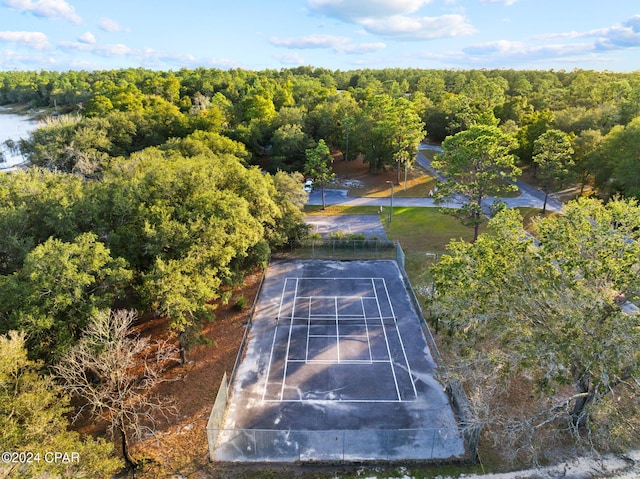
[261, 445]
[341, 249]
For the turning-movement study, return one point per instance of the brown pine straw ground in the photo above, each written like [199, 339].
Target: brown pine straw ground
[179, 447]
[356, 177]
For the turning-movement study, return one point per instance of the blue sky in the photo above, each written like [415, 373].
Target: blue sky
[335, 34]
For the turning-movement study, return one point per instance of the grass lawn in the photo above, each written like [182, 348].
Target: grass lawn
[425, 229]
[423, 233]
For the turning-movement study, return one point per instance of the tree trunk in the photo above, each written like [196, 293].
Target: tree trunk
[546, 195]
[129, 461]
[323, 202]
[583, 182]
[183, 349]
[477, 214]
[579, 415]
[405, 176]
[346, 155]
[476, 227]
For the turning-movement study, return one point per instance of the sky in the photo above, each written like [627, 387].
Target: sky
[336, 34]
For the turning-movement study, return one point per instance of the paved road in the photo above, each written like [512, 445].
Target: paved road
[529, 196]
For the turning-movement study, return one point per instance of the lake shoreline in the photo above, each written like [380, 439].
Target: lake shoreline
[24, 109]
[14, 125]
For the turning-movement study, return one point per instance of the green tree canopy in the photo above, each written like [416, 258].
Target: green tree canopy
[550, 315]
[477, 163]
[388, 132]
[58, 289]
[553, 155]
[318, 166]
[615, 163]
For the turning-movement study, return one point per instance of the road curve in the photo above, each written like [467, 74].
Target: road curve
[529, 196]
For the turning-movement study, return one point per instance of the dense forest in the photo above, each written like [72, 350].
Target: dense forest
[158, 191]
[280, 114]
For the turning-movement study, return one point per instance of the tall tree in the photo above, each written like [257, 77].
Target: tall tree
[477, 163]
[291, 199]
[550, 315]
[535, 125]
[584, 145]
[407, 132]
[552, 153]
[388, 132]
[318, 166]
[58, 289]
[615, 163]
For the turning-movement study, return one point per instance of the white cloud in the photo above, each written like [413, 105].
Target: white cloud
[87, 37]
[362, 48]
[50, 9]
[335, 43]
[115, 50]
[506, 2]
[35, 40]
[394, 18]
[150, 57]
[419, 28]
[310, 41]
[566, 47]
[519, 53]
[11, 60]
[110, 25]
[620, 36]
[290, 59]
[354, 10]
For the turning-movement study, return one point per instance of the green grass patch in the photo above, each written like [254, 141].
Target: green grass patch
[424, 234]
[425, 229]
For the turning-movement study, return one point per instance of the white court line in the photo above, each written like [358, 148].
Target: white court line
[329, 318]
[337, 319]
[273, 343]
[347, 361]
[341, 297]
[404, 352]
[332, 401]
[335, 305]
[362, 278]
[286, 357]
[386, 339]
[366, 328]
[308, 321]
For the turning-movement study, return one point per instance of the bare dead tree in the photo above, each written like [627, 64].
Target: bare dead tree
[115, 371]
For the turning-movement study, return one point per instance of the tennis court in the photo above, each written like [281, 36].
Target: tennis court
[337, 369]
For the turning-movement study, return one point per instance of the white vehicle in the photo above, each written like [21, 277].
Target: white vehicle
[308, 185]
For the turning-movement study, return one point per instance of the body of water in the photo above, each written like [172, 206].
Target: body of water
[13, 127]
